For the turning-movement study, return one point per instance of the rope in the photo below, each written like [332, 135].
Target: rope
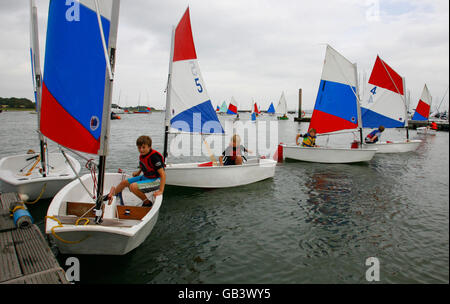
[90, 165]
[39, 197]
[60, 225]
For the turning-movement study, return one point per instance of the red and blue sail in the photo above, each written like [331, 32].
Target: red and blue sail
[336, 106]
[385, 106]
[232, 109]
[191, 107]
[74, 74]
[422, 111]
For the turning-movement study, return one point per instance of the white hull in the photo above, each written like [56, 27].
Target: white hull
[328, 155]
[395, 147]
[425, 131]
[101, 239]
[31, 186]
[191, 175]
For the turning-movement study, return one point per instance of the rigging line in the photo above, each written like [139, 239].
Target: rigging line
[102, 35]
[442, 99]
[78, 177]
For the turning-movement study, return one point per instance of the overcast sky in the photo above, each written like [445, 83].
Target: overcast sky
[252, 48]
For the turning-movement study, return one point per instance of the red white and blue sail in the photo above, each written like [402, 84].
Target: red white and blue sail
[75, 103]
[223, 107]
[422, 111]
[191, 107]
[386, 105]
[232, 109]
[336, 106]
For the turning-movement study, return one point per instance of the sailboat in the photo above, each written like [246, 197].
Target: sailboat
[282, 108]
[77, 219]
[43, 174]
[223, 108]
[192, 112]
[422, 112]
[232, 107]
[255, 109]
[271, 109]
[387, 107]
[336, 109]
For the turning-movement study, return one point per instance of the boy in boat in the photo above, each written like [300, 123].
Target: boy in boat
[374, 136]
[151, 164]
[233, 154]
[309, 139]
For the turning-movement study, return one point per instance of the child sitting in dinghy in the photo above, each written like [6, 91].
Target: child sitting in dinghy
[233, 154]
[151, 164]
[374, 136]
[309, 139]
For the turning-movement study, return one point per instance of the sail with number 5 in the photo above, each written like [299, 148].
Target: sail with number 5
[190, 107]
[190, 111]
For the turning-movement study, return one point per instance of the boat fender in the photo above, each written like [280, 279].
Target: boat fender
[279, 153]
[22, 218]
[355, 144]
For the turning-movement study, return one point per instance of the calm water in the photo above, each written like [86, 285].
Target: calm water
[311, 223]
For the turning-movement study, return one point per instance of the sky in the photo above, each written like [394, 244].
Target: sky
[253, 49]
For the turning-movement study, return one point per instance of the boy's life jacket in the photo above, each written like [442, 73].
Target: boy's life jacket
[151, 163]
[308, 140]
[372, 134]
[434, 126]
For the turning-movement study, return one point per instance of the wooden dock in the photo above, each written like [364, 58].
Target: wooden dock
[25, 257]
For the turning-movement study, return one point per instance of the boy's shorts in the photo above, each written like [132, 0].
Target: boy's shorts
[145, 184]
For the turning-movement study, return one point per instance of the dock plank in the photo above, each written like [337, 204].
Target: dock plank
[9, 263]
[25, 257]
[32, 251]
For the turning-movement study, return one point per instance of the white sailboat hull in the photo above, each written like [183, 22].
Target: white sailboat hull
[395, 146]
[328, 155]
[13, 170]
[425, 131]
[101, 239]
[191, 175]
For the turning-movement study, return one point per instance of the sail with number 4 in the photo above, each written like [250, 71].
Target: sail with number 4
[422, 111]
[190, 108]
[386, 104]
[77, 74]
[336, 106]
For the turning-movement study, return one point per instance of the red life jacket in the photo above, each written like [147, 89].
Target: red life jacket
[434, 126]
[147, 166]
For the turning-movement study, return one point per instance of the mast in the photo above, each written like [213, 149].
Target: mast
[358, 106]
[168, 93]
[109, 79]
[406, 110]
[37, 77]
